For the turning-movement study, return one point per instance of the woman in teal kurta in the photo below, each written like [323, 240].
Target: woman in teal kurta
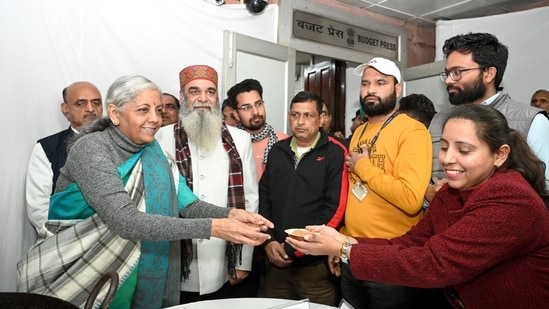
[116, 208]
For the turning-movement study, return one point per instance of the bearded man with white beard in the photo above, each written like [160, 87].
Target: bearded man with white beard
[217, 163]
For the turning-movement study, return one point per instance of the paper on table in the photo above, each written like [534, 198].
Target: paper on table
[345, 305]
[295, 304]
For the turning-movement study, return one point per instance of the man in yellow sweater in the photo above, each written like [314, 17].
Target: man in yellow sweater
[389, 171]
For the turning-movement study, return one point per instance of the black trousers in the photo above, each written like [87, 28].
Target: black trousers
[374, 295]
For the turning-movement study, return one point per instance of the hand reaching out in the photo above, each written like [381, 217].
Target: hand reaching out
[327, 241]
[231, 229]
[252, 218]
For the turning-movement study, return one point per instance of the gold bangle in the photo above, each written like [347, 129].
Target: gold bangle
[341, 248]
[342, 245]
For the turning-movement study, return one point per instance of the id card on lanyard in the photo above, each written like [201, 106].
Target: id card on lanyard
[359, 190]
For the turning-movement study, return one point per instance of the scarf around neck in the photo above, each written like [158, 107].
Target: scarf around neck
[267, 131]
[235, 190]
[153, 283]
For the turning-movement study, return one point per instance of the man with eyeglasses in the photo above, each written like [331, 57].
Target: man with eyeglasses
[246, 98]
[475, 63]
[304, 183]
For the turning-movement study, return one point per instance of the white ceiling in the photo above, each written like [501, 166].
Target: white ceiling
[427, 12]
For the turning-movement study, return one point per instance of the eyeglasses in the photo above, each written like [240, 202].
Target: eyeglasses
[247, 107]
[455, 75]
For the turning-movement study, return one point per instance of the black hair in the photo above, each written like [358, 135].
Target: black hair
[419, 107]
[485, 48]
[225, 103]
[305, 96]
[246, 85]
[64, 94]
[492, 128]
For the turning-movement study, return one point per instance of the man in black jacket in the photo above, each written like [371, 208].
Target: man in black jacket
[305, 183]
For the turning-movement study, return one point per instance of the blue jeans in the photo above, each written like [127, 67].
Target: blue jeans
[373, 295]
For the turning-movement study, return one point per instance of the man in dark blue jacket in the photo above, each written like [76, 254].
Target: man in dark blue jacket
[304, 183]
[81, 105]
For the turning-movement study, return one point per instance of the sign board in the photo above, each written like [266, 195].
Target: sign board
[324, 30]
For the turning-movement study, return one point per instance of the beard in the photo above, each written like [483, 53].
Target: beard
[202, 127]
[469, 93]
[254, 126]
[384, 107]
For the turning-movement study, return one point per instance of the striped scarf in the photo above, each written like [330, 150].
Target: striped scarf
[267, 131]
[235, 190]
[68, 264]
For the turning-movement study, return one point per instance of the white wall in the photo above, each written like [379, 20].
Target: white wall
[47, 45]
[352, 94]
[425, 79]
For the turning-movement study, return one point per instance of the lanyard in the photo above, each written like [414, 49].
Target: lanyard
[374, 140]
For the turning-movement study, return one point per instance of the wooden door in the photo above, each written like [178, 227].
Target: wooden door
[328, 80]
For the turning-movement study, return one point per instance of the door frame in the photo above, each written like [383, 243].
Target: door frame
[271, 64]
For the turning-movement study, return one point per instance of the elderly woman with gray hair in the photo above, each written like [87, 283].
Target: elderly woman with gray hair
[121, 205]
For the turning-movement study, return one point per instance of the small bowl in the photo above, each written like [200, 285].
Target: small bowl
[298, 233]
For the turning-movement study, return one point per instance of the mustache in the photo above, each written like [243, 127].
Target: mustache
[91, 115]
[371, 97]
[200, 105]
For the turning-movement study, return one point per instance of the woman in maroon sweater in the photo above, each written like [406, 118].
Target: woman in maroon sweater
[485, 237]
